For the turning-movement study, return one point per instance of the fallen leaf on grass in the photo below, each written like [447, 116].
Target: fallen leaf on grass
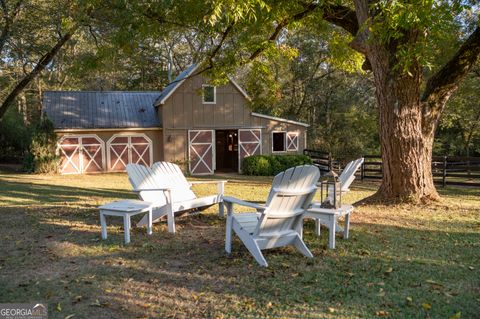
[456, 315]
[382, 313]
[471, 267]
[389, 270]
[426, 306]
[70, 316]
[409, 299]
[331, 310]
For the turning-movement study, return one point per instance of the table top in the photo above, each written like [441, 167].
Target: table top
[128, 205]
[315, 208]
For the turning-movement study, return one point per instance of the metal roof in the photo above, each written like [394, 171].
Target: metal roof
[102, 109]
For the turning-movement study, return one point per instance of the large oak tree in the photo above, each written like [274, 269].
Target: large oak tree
[401, 42]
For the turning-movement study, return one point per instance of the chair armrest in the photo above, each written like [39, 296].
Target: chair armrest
[233, 200]
[152, 190]
[207, 182]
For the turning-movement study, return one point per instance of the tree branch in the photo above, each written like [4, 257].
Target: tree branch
[442, 84]
[341, 16]
[39, 67]
[282, 24]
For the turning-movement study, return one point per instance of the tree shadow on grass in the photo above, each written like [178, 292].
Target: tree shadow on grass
[23, 194]
[188, 274]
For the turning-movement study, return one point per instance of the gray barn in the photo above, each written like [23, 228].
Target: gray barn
[207, 128]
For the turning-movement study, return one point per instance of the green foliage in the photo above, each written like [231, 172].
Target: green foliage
[268, 165]
[42, 157]
[14, 136]
[459, 128]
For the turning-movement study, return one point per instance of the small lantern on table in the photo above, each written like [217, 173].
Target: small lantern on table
[330, 191]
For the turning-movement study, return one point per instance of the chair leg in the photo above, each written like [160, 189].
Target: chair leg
[221, 209]
[103, 223]
[171, 221]
[331, 233]
[149, 226]
[347, 226]
[256, 252]
[300, 245]
[317, 227]
[126, 228]
[228, 235]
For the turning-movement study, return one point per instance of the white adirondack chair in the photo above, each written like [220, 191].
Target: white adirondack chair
[165, 185]
[277, 223]
[347, 177]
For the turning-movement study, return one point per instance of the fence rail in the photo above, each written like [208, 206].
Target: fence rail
[446, 170]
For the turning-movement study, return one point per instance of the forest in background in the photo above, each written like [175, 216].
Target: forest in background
[335, 96]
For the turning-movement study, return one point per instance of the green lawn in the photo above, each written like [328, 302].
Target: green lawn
[400, 262]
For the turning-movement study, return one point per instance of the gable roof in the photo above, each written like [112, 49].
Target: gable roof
[102, 109]
[175, 84]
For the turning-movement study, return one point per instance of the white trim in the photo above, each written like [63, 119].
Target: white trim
[305, 140]
[68, 130]
[129, 149]
[214, 94]
[79, 148]
[240, 146]
[284, 141]
[214, 164]
[162, 101]
[240, 89]
[279, 119]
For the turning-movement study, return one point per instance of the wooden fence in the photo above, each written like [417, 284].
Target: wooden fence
[447, 170]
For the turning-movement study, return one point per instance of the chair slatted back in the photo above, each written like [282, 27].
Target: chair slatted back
[292, 191]
[348, 173]
[172, 175]
[142, 177]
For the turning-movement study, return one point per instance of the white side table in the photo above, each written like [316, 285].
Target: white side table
[329, 217]
[125, 209]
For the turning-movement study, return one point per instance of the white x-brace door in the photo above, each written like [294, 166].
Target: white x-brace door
[126, 149]
[81, 154]
[249, 143]
[201, 152]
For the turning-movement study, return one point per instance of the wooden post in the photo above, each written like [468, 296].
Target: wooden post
[362, 169]
[444, 176]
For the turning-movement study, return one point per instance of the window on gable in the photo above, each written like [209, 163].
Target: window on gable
[208, 93]
[278, 141]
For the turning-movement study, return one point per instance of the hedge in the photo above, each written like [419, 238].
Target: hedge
[269, 165]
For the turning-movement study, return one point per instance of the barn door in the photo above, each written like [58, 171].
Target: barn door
[126, 149]
[69, 149]
[92, 155]
[201, 152]
[81, 154]
[249, 143]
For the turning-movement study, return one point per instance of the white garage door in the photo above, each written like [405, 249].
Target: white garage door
[126, 149]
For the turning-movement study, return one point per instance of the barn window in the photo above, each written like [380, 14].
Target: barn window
[278, 141]
[209, 92]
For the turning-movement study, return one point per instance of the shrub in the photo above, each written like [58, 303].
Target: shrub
[42, 157]
[268, 165]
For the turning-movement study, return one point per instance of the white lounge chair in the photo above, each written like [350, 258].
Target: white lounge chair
[165, 185]
[347, 177]
[277, 223]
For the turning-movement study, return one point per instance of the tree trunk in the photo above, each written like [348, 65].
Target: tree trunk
[406, 140]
